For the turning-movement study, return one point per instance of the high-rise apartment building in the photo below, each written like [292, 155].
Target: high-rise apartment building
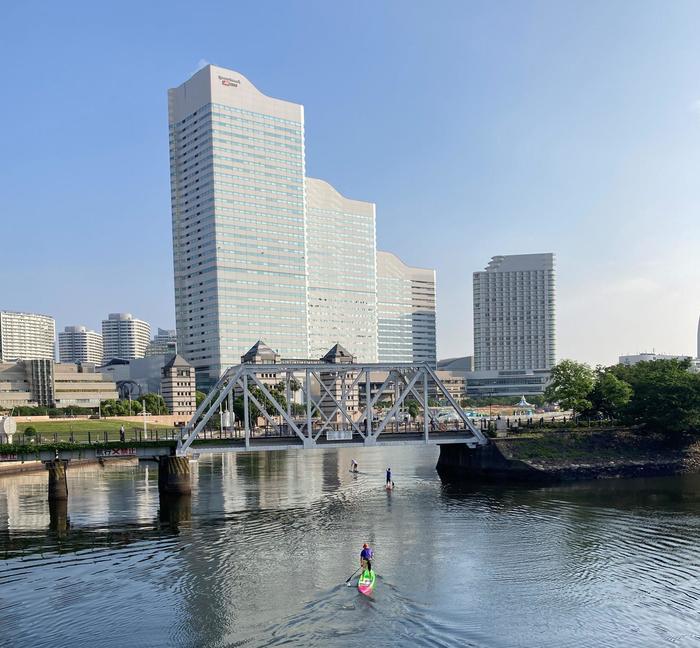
[124, 337]
[342, 293]
[79, 344]
[239, 241]
[514, 313]
[26, 336]
[406, 311]
[163, 343]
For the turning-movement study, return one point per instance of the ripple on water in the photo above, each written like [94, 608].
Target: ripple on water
[260, 556]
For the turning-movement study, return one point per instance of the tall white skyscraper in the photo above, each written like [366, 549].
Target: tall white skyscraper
[514, 313]
[26, 336]
[124, 336]
[239, 240]
[406, 311]
[260, 251]
[342, 298]
[80, 344]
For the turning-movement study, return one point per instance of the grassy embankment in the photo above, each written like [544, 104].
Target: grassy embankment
[84, 429]
[562, 448]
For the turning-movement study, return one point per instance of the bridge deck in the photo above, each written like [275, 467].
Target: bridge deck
[238, 444]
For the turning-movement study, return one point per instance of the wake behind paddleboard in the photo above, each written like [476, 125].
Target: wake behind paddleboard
[366, 582]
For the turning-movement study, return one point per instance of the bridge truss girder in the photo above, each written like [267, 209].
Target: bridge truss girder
[328, 391]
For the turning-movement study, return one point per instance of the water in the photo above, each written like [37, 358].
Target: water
[260, 554]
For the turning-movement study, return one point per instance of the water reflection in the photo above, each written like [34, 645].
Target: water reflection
[259, 553]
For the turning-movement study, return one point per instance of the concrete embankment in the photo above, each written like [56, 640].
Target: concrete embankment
[18, 467]
[571, 455]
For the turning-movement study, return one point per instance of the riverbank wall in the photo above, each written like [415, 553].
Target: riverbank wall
[570, 456]
[19, 467]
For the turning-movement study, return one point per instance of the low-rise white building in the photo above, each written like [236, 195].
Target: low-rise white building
[47, 383]
[516, 382]
[648, 357]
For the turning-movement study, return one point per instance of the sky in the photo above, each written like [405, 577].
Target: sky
[478, 129]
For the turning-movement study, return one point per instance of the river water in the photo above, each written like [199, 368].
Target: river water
[259, 555]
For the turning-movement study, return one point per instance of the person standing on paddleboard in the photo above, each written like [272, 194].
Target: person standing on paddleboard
[388, 477]
[366, 556]
[353, 465]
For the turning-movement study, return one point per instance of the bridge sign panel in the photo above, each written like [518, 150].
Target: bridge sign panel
[115, 452]
[339, 435]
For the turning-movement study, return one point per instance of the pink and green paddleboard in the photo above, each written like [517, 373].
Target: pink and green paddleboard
[366, 582]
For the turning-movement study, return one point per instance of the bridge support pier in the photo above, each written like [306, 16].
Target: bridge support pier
[58, 484]
[174, 476]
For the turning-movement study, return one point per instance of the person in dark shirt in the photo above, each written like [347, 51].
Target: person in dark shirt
[366, 556]
[388, 477]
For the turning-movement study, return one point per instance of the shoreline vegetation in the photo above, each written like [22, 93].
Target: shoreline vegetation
[656, 409]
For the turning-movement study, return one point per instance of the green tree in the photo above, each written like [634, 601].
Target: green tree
[571, 385]
[413, 407]
[666, 396]
[610, 394]
[298, 409]
[155, 404]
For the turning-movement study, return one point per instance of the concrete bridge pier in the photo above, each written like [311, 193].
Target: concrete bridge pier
[58, 484]
[174, 476]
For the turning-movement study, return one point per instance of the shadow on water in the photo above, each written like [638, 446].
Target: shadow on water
[675, 493]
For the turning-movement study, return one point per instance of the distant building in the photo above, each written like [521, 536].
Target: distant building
[138, 376]
[163, 343]
[26, 336]
[648, 357]
[406, 311]
[338, 386]
[454, 381]
[463, 363]
[514, 314]
[51, 384]
[260, 353]
[79, 344]
[262, 251]
[124, 336]
[15, 390]
[485, 384]
[177, 386]
[342, 291]
[238, 212]
[453, 373]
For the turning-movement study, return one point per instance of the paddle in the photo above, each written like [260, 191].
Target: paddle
[347, 582]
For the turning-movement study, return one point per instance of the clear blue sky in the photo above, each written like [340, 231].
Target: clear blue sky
[478, 128]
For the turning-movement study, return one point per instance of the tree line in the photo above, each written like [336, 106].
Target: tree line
[661, 395]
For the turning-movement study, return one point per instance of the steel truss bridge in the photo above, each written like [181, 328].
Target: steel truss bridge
[340, 406]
